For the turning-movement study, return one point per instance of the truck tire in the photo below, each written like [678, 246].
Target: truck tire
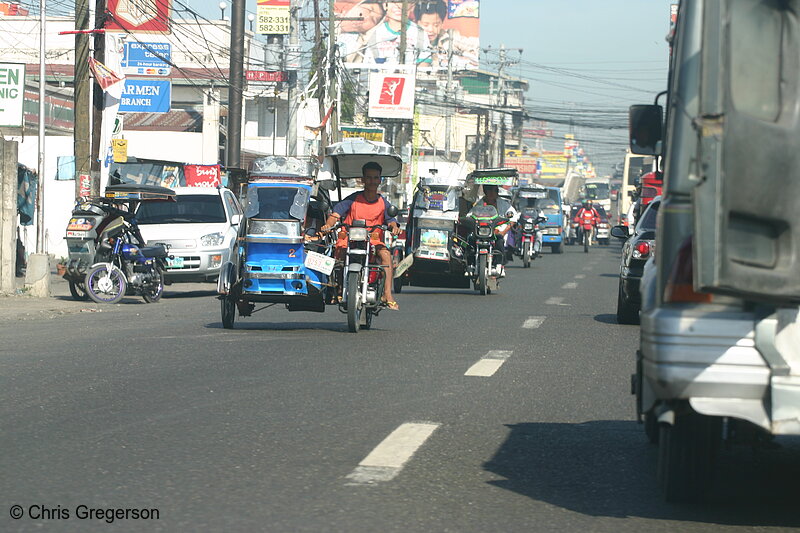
[687, 456]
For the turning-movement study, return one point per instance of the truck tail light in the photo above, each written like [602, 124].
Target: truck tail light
[680, 283]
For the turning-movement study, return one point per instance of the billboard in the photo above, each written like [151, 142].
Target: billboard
[391, 95]
[435, 26]
[146, 96]
[12, 93]
[140, 16]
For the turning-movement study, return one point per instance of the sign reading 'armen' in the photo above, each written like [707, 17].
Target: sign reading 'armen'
[12, 89]
[146, 96]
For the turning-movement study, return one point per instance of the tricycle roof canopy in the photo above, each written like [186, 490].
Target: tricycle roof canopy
[281, 166]
[139, 192]
[350, 155]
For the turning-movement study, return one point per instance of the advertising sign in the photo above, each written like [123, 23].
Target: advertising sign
[370, 134]
[139, 16]
[202, 175]
[146, 96]
[147, 59]
[265, 75]
[369, 32]
[525, 165]
[391, 95]
[12, 92]
[272, 17]
[120, 150]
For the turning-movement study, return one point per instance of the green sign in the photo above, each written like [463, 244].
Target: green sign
[502, 181]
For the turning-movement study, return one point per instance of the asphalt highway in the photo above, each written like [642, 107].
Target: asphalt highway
[460, 412]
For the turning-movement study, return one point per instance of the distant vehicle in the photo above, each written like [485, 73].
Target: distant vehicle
[599, 192]
[635, 167]
[603, 230]
[638, 247]
[200, 229]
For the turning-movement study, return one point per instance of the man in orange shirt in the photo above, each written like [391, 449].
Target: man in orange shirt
[370, 206]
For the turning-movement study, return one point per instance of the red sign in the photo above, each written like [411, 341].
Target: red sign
[143, 16]
[392, 91]
[84, 186]
[525, 165]
[265, 75]
[202, 175]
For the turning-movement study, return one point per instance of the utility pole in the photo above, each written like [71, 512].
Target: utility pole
[236, 85]
[333, 91]
[294, 40]
[504, 97]
[81, 143]
[317, 63]
[448, 118]
[40, 233]
[98, 97]
[403, 33]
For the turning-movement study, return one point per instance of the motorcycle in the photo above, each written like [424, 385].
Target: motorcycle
[125, 265]
[103, 237]
[363, 278]
[585, 230]
[484, 256]
[529, 244]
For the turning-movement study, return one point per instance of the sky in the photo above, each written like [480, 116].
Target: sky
[586, 61]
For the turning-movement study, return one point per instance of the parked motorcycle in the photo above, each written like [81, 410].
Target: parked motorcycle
[484, 256]
[107, 256]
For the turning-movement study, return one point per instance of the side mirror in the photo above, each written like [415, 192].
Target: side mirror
[541, 219]
[509, 213]
[620, 232]
[236, 219]
[645, 129]
[392, 211]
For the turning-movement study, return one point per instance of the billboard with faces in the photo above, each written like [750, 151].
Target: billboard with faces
[370, 33]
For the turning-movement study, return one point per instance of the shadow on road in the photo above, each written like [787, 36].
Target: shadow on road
[607, 468]
[606, 318]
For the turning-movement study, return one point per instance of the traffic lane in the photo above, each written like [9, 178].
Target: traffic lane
[550, 443]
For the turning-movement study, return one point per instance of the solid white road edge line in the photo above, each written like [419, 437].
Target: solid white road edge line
[389, 457]
[533, 322]
[489, 364]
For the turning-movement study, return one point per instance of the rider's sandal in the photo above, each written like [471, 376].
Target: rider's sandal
[391, 304]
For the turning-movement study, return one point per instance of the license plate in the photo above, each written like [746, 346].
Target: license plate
[77, 234]
[319, 262]
[177, 262]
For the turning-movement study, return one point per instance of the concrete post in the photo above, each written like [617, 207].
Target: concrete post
[8, 214]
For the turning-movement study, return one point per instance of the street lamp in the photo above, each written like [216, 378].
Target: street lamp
[222, 6]
[251, 18]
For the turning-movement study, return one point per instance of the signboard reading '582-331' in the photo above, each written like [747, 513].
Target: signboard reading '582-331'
[12, 90]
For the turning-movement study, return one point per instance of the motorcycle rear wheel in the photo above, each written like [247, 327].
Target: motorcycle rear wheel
[78, 291]
[104, 286]
[152, 293]
[353, 304]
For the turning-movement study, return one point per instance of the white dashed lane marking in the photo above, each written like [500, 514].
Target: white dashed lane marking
[533, 322]
[570, 285]
[555, 300]
[389, 457]
[489, 364]
[580, 276]
[587, 268]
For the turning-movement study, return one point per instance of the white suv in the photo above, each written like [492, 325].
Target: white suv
[200, 228]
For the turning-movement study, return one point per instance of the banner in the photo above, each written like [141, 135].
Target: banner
[141, 16]
[202, 175]
[391, 95]
[434, 27]
[369, 133]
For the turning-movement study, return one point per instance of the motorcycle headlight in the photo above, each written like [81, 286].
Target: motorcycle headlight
[528, 226]
[358, 234]
[484, 231]
[212, 239]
